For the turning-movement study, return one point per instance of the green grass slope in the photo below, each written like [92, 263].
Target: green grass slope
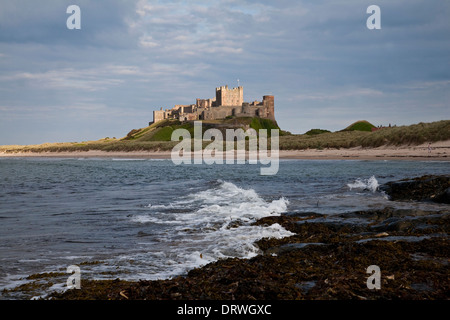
[162, 131]
[361, 125]
[316, 131]
[407, 135]
[395, 136]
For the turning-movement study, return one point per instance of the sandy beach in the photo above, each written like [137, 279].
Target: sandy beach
[440, 151]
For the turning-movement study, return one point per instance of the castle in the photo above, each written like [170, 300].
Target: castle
[227, 103]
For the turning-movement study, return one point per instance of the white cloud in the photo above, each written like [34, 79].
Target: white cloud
[424, 85]
[147, 42]
[195, 30]
[67, 78]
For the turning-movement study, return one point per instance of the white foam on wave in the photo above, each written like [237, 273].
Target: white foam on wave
[370, 184]
[216, 223]
[225, 203]
[229, 198]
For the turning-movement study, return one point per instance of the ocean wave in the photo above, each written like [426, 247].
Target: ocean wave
[370, 184]
[217, 223]
[223, 202]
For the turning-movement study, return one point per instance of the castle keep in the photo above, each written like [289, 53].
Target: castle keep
[227, 103]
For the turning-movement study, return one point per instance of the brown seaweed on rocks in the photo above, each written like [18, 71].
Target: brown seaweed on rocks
[426, 188]
[321, 261]
[324, 259]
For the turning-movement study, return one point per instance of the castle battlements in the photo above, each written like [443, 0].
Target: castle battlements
[227, 103]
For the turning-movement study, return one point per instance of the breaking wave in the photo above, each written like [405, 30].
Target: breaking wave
[370, 184]
[205, 226]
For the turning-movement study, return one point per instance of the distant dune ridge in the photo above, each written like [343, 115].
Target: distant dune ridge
[157, 137]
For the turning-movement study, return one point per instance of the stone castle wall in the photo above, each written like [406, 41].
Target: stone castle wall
[228, 102]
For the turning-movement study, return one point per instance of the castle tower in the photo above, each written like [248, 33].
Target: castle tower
[269, 104]
[229, 97]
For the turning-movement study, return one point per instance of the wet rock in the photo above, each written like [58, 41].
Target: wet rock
[305, 286]
[389, 212]
[289, 247]
[303, 269]
[394, 224]
[443, 197]
[425, 188]
[409, 221]
[323, 260]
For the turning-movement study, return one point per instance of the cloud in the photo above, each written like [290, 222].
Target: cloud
[317, 58]
[195, 30]
[44, 22]
[73, 79]
[426, 85]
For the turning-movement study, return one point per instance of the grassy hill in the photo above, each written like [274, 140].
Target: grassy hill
[162, 131]
[361, 125]
[157, 137]
[395, 136]
[316, 131]
[408, 135]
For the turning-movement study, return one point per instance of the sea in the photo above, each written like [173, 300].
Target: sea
[150, 219]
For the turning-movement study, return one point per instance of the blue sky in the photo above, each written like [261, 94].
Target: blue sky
[325, 68]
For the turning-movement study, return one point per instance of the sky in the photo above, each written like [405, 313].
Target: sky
[319, 59]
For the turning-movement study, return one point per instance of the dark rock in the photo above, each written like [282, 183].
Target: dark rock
[323, 260]
[425, 188]
[444, 197]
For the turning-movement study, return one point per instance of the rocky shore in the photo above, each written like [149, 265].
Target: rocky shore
[426, 188]
[325, 259]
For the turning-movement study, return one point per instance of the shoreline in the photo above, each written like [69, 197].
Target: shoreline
[439, 152]
[323, 259]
